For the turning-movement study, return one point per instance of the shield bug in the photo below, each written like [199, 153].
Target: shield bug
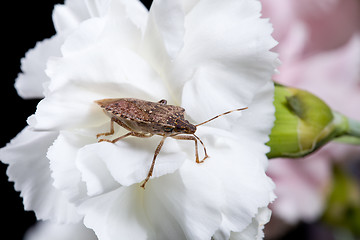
[145, 119]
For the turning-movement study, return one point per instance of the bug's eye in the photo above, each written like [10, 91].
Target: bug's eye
[163, 102]
[168, 129]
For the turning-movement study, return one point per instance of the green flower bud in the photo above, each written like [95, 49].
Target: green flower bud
[304, 123]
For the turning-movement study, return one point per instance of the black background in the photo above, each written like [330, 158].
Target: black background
[23, 24]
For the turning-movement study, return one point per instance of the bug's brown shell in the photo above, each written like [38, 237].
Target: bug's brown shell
[143, 111]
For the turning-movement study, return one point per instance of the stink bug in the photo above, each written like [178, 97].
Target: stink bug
[145, 119]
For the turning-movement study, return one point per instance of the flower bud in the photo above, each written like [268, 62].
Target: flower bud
[304, 123]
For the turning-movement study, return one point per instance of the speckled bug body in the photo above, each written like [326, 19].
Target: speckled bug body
[145, 119]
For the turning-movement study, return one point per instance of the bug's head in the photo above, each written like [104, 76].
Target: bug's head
[184, 127]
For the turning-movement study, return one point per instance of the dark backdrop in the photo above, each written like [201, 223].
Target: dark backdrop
[23, 24]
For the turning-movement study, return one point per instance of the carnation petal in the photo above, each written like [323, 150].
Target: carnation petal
[175, 206]
[96, 73]
[72, 13]
[69, 15]
[110, 27]
[135, 11]
[227, 61]
[29, 83]
[233, 163]
[30, 172]
[164, 32]
[257, 121]
[62, 155]
[180, 205]
[116, 213]
[94, 172]
[49, 230]
[66, 109]
[168, 18]
[129, 160]
[255, 229]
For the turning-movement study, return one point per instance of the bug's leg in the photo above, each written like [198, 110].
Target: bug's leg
[141, 135]
[116, 139]
[206, 156]
[194, 138]
[107, 133]
[188, 137]
[153, 162]
[112, 131]
[135, 134]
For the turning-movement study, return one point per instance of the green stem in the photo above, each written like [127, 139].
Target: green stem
[354, 128]
[348, 130]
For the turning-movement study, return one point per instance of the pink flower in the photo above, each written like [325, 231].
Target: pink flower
[305, 28]
[319, 46]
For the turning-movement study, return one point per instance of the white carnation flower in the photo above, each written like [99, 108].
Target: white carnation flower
[48, 230]
[205, 56]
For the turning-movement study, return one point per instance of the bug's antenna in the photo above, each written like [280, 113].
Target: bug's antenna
[239, 109]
